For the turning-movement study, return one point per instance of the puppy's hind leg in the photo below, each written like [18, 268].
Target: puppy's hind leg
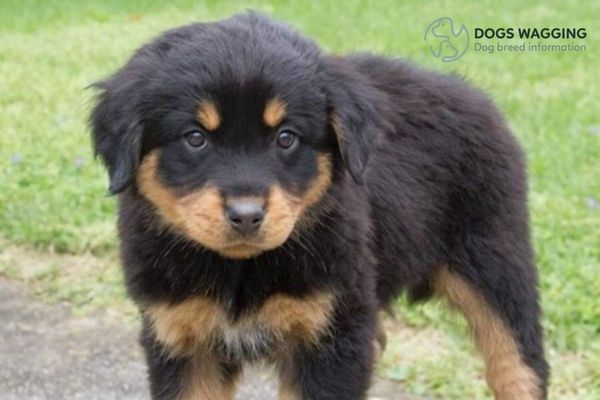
[496, 290]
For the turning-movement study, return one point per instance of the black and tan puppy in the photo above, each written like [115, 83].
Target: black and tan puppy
[253, 228]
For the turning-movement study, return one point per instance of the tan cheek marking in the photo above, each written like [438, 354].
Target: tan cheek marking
[321, 183]
[280, 219]
[283, 204]
[204, 218]
[507, 375]
[275, 112]
[304, 319]
[208, 115]
[206, 381]
[198, 215]
[154, 191]
[184, 327]
[285, 209]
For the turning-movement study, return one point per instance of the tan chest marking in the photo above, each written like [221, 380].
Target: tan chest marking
[194, 324]
[184, 326]
[305, 319]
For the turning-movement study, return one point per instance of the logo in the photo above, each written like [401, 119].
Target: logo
[446, 40]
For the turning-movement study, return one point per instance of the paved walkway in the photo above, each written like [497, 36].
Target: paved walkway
[45, 353]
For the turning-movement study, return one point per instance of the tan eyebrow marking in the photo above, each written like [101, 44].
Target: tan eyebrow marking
[275, 111]
[208, 115]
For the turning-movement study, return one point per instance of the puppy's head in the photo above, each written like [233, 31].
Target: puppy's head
[233, 130]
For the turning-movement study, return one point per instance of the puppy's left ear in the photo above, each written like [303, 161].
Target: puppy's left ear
[354, 112]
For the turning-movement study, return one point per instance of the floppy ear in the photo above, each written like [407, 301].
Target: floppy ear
[353, 112]
[117, 132]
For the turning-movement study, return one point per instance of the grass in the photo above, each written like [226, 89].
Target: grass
[57, 223]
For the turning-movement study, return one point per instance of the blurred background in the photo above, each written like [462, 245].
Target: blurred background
[57, 235]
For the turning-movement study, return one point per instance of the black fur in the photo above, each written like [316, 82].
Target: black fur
[435, 178]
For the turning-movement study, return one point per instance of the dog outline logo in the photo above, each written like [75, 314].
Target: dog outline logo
[445, 41]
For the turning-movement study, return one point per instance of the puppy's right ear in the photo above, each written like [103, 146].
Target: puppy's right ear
[117, 132]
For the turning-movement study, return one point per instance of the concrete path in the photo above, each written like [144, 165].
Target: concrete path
[46, 353]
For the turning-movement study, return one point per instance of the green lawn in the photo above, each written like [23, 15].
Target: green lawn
[53, 193]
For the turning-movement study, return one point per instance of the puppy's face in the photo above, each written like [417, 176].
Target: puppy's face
[235, 169]
[232, 130]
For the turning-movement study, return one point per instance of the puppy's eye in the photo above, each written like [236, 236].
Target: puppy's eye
[196, 139]
[285, 139]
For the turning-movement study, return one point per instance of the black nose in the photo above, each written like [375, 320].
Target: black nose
[245, 216]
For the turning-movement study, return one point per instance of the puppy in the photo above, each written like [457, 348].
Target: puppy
[273, 199]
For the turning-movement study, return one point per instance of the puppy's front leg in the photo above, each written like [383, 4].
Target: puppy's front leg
[338, 367]
[191, 377]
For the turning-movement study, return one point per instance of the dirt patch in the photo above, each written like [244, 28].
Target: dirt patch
[87, 282]
[47, 354]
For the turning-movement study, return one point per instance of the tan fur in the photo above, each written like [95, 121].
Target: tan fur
[200, 215]
[154, 191]
[191, 326]
[507, 375]
[241, 251]
[275, 112]
[304, 319]
[206, 381]
[337, 129]
[290, 209]
[185, 327]
[204, 217]
[287, 392]
[208, 115]
[320, 184]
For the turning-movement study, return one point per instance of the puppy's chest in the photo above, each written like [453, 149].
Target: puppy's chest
[201, 324]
